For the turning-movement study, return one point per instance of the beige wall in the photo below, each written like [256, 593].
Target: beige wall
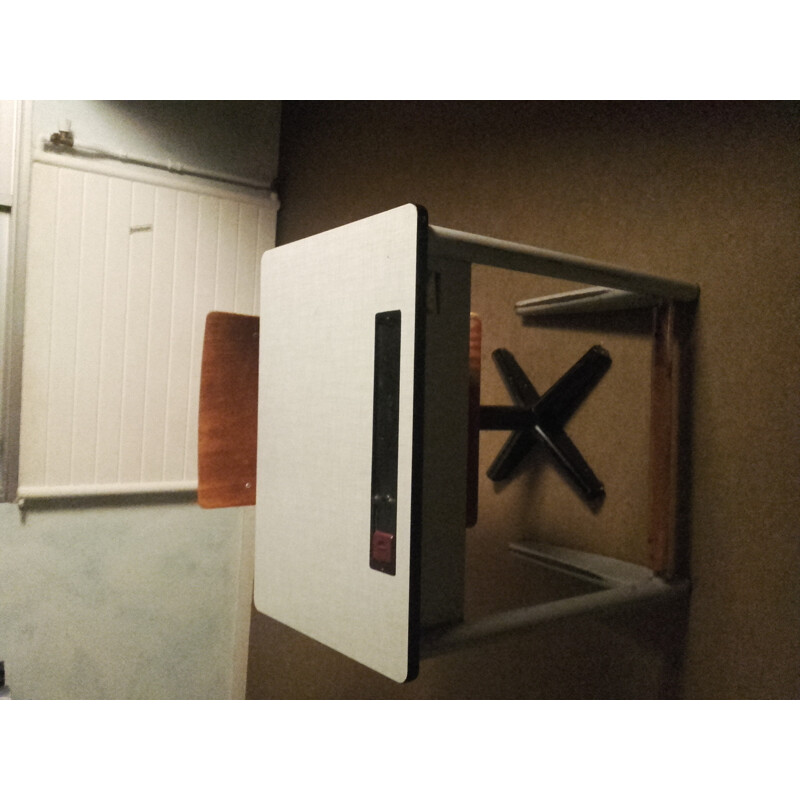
[708, 193]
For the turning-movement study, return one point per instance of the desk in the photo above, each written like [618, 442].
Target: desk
[363, 413]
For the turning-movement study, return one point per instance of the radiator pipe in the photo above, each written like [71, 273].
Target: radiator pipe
[63, 142]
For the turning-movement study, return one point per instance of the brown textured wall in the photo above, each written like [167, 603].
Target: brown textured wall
[704, 192]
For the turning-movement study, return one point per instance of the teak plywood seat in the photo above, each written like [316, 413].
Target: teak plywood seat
[368, 401]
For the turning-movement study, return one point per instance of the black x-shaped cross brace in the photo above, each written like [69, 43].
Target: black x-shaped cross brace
[541, 419]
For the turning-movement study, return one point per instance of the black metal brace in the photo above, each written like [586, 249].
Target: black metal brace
[541, 419]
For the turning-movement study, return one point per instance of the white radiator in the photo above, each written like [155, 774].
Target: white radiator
[123, 266]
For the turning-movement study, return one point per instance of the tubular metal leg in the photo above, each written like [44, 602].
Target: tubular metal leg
[622, 585]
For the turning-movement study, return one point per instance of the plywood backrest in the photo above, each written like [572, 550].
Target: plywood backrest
[228, 414]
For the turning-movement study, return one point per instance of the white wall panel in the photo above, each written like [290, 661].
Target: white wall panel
[181, 332]
[121, 274]
[112, 333]
[9, 109]
[161, 296]
[63, 324]
[87, 342]
[39, 284]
